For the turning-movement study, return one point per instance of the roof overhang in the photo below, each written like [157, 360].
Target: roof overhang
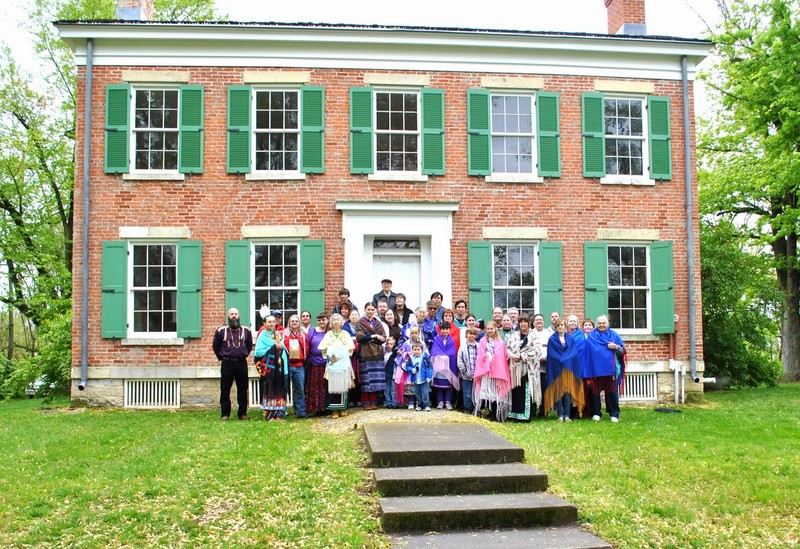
[379, 48]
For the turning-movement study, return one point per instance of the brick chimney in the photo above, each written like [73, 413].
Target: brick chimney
[135, 10]
[626, 17]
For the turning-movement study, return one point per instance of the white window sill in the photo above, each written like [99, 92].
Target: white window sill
[637, 336]
[153, 176]
[409, 177]
[163, 341]
[275, 176]
[514, 178]
[627, 180]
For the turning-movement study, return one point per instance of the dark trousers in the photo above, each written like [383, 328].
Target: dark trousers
[233, 369]
[612, 404]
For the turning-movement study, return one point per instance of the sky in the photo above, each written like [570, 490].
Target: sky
[664, 17]
[681, 18]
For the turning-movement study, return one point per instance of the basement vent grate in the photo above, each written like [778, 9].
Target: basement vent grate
[254, 394]
[639, 387]
[152, 393]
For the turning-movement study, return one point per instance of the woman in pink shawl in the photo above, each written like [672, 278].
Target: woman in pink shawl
[492, 380]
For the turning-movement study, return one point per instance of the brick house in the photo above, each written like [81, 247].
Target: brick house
[236, 164]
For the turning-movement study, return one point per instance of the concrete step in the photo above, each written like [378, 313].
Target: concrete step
[440, 513]
[557, 537]
[440, 480]
[411, 445]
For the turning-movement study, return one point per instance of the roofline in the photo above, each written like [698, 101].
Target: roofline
[374, 27]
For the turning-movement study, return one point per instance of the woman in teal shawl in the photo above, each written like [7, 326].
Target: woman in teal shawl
[272, 364]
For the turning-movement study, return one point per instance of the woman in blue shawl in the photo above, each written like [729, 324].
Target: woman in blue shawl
[564, 383]
[605, 365]
[272, 364]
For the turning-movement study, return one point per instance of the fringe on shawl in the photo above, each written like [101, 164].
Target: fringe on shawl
[441, 365]
[565, 383]
[517, 370]
[339, 380]
[488, 391]
[535, 386]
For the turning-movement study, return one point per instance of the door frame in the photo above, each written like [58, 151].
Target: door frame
[429, 221]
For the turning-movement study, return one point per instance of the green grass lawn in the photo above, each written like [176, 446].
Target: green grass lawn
[724, 473]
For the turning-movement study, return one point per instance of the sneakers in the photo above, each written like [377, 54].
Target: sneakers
[410, 406]
[614, 419]
[448, 406]
[595, 418]
[440, 406]
[427, 408]
[418, 409]
[561, 419]
[567, 420]
[335, 415]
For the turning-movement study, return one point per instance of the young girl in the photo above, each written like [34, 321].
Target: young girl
[445, 369]
[492, 379]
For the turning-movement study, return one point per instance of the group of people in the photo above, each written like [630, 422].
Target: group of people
[509, 367]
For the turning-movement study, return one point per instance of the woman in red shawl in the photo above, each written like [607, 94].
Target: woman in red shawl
[492, 380]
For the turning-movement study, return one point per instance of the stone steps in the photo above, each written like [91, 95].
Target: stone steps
[434, 480]
[556, 537]
[426, 513]
[461, 486]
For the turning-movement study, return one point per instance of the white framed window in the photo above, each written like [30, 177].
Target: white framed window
[276, 130]
[154, 290]
[155, 129]
[397, 131]
[629, 287]
[513, 134]
[514, 276]
[626, 150]
[276, 280]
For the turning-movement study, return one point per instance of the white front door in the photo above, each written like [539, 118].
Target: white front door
[403, 271]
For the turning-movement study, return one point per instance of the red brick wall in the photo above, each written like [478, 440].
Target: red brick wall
[624, 11]
[215, 205]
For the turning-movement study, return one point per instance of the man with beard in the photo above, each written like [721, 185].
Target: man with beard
[232, 345]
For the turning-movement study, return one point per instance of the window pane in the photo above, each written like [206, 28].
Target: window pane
[626, 319]
[500, 276]
[614, 299]
[276, 255]
[614, 276]
[170, 278]
[640, 276]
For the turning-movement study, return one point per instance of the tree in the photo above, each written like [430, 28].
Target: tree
[741, 306]
[750, 149]
[37, 133]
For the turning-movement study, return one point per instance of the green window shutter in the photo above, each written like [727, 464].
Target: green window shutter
[312, 276]
[550, 278]
[659, 138]
[312, 129]
[663, 294]
[595, 276]
[237, 279]
[114, 299]
[594, 130]
[479, 151]
[239, 129]
[118, 101]
[481, 297]
[190, 150]
[190, 285]
[361, 130]
[432, 131]
[548, 134]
